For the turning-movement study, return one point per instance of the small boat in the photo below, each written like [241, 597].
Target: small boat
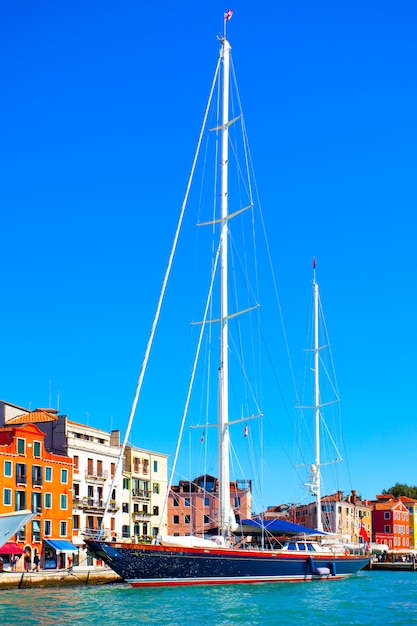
[11, 523]
[227, 558]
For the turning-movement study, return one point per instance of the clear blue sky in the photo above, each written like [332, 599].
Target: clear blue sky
[100, 111]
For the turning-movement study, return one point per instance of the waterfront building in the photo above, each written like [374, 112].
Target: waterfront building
[340, 515]
[144, 492]
[133, 490]
[33, 477]
[411, 505]
[193, 505]
[391, 523]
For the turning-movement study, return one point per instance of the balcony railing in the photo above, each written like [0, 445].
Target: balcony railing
[141, 515]
[96, 474]
[141, 493]
[94, 504]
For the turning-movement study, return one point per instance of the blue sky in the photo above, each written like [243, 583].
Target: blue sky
[101, 107]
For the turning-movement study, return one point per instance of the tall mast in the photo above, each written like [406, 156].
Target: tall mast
[224, 438]
[316, 473]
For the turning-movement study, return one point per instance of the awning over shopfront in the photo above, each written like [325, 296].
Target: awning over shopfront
[11, 547]
[61, 545]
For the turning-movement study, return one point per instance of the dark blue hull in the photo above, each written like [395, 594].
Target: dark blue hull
[155, 565]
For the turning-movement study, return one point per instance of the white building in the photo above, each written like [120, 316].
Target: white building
[144, 491]
[95, 453]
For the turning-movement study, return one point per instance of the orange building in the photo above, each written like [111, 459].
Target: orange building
[193, 505]
[36, 479]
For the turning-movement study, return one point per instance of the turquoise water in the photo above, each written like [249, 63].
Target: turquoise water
[369, 598]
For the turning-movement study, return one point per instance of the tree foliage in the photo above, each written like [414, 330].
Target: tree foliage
[401, 490]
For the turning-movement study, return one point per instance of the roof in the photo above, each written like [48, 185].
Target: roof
[11, 547]
[61, 545]
[39, 415]
[388, 506]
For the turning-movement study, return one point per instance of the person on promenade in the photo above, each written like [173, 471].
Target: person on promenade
[15, 559]
[36, 563]
[28, 562]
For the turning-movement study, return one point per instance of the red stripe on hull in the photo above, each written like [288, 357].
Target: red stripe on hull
[222, 581]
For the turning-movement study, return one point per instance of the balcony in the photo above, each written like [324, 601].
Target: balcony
[141, 493]
[94, 474]
[141, 516]
[93, 504]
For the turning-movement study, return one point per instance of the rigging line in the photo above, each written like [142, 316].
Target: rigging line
[190, 386]
[160, 300]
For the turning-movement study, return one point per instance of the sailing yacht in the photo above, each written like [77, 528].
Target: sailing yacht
[190, 560]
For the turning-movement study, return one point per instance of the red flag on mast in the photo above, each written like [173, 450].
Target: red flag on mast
[228, 15]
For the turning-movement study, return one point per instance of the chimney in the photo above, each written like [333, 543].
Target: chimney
[354, 496]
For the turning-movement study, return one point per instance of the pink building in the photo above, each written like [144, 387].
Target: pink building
[193, 505]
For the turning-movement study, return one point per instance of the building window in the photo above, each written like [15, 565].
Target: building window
[125, 532]
[176, 519]
[387, 515]
[186, 519]
[125, 507]
[126, 483]
[206, 501]
[36, 502]
[387, 528]
[62, 529]
[156, 510]
[175, 501]
[21, 473]
[155, 531]
[64, 477]
[206, 519]
[155, 466]
[112, 469]
[63, 502]
[237, 502]
[37, 449]
[36, 530]
[186, 501]
[76, 522]
[20, 499]
[156, 487]
[21, 446]
[99, 468]
[48, 500]
[8, 468]
[7, 497]
[76, 463]
[47, 528]
[37, 476]
[48, 474]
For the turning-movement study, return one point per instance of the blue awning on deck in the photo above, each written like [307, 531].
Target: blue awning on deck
[61, 545]
[277, 526]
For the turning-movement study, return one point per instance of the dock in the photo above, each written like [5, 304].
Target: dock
[57, 578]
[389, 566]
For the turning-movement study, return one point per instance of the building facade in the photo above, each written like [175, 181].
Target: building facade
[193, 506]
[391, 524]
[37, 479]
[144, 492]
[340, 515]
